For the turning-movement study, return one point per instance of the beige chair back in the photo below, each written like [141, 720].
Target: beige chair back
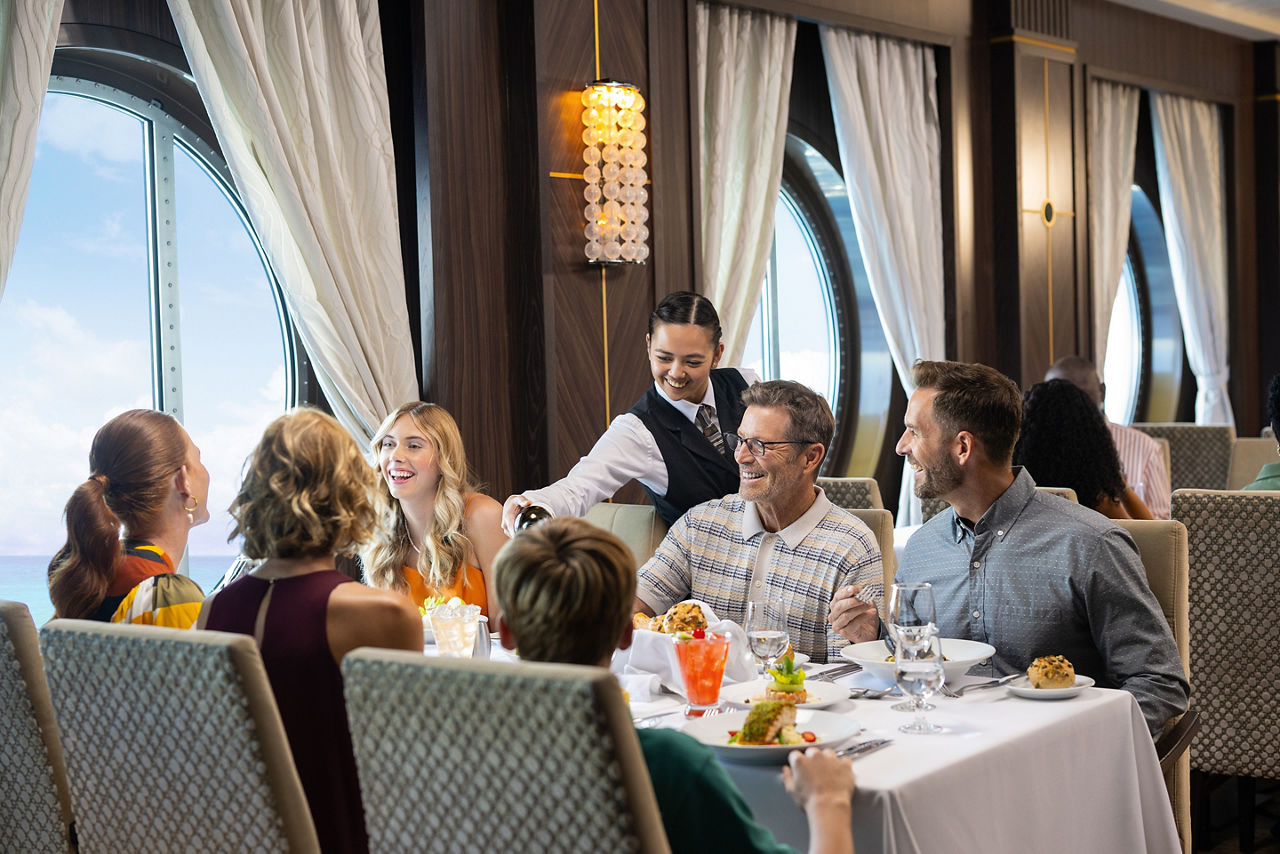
[880, 521]
[1163, 548]
[1060, 491]
[1248, 456]
[1199, 454]
[35, 807]
[852, 493]
[637, 525]
[173, 740]
[429, 763]
[1233, 541]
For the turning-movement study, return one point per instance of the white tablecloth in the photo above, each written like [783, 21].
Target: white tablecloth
[1009, 775]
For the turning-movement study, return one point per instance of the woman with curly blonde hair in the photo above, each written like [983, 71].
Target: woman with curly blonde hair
[439, 534]
[308, 495]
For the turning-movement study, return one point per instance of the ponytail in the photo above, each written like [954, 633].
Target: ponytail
[81, 572]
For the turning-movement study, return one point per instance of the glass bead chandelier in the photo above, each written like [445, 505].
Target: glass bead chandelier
[617, 201]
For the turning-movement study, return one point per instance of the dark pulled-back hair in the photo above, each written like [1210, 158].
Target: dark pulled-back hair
[1065, 442]
[686, 307]
[976, 399]
[131, 462]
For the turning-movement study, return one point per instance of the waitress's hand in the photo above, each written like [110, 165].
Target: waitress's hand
[510, 509]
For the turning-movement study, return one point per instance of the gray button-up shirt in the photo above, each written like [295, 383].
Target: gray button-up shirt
[1039, 575]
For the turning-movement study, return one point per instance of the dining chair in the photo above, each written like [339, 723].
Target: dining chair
[35, 807]
[543, 756]
[172, 740]
[1232, 540]
[1199, 454]
[852, 493]
[1162, 545]
[880, 521]
[638, 526]
[1248, 456]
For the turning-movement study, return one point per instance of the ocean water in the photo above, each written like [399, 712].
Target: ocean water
[24, 578]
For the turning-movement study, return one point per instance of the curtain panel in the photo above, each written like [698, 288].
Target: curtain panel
[743, 61]
[298, 97]
[1113, 136]
[28, 33]
[884, 98]
[1188, 138]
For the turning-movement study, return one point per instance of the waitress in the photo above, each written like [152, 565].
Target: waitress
[672, 439]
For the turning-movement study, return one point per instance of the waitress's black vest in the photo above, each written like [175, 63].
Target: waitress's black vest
[696, 471]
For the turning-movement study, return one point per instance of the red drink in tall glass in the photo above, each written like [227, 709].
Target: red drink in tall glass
[702, 666]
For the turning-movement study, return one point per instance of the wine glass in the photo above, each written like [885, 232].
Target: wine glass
[912, 621]
[917, 668]
[767, 633]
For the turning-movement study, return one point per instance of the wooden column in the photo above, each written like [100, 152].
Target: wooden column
[1267, 188]
[1041, 281]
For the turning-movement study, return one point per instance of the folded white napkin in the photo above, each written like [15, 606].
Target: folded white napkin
[641, 687]
[653, 653]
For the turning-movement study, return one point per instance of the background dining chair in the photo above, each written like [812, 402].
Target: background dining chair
[463, 755]
[1162, 545]
[1248, 456]
[35, 807]
[1233, 541]
[637, 525]
[880, 521]
[172, 741]
[1199, 454]
[852, 493]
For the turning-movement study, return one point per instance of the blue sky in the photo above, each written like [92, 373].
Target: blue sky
[75, 323]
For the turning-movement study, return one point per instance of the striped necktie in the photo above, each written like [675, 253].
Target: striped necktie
[707, 425]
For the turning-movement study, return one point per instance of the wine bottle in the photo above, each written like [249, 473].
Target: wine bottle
[530, 515]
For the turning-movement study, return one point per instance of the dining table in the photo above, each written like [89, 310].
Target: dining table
[1006, 774]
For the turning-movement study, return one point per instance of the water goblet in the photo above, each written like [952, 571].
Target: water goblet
[767, 632]
[918, 671]
[912, 621]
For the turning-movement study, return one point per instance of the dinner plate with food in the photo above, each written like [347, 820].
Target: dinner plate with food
[769, 731]
[785, 681]
[1050, 677]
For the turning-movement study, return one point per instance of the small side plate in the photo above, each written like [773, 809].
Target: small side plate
[1021, 687]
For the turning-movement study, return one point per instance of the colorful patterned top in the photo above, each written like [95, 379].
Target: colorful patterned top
[146, 591]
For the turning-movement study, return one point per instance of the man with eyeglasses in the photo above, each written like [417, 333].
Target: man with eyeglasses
[779, 539]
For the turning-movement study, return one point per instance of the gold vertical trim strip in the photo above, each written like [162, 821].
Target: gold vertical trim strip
[1048, 238]
[595, 12]
[1046, 129]
[604, 324]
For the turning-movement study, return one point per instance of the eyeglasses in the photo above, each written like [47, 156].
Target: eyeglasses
[756, 447]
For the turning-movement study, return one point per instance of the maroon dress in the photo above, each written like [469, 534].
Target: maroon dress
[308, 689]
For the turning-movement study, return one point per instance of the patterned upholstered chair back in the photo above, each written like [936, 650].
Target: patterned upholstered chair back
[1248, 456]
[544, 755]
[35, 808]
[880, 521]
[930, 507]
[1163, 548]
[852, 493]
[637, 525]
[172, 741]
[1199, 454]
[1233, 541]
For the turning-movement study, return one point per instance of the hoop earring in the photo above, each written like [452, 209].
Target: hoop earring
[191, 511]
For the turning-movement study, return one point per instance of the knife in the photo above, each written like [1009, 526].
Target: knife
[864, 748]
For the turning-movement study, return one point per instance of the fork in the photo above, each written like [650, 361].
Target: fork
[867, 694]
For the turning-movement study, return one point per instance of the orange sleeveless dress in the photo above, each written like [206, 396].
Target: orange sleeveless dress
[468, 586]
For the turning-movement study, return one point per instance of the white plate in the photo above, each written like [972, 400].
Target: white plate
[960, 655]
[820, 693]
[1021, 687]
[830, 728]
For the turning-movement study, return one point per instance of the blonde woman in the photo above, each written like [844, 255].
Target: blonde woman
[439, 535]
[308, 495]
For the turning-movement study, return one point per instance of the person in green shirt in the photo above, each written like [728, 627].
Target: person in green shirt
[565, 589]
[1269, 476]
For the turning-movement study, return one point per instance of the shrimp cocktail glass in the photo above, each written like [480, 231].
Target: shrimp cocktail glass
[702, 655]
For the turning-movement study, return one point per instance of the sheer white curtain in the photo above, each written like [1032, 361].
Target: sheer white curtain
[1188, 137]
[28, 33]
[298, 96]
[884, 97]
[743, 61]
[1113, 136]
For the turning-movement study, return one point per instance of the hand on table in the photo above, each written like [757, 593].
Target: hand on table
[853, 618]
